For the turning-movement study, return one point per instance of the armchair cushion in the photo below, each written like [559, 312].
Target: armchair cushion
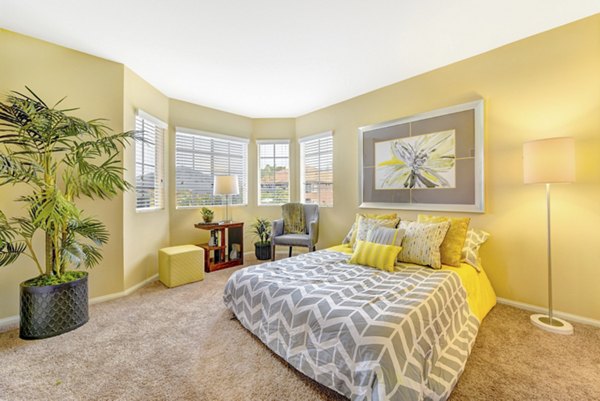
[293, 240]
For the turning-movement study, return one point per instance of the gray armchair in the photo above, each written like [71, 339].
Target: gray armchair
[308, 239]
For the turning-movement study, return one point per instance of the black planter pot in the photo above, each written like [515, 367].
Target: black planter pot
[54, 309]
[262, 251]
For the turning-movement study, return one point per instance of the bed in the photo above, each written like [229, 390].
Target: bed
[363, 332]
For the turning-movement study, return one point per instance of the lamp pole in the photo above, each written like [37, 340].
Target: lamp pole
[549, 253]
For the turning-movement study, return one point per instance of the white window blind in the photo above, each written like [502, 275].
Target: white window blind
[273, 172]
[199, 157]
[316, 162]
[149, 162]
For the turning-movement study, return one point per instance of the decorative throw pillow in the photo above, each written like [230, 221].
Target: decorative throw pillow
[470, 252]
[365, 224]
[421, 244]
[370, 216]
[375, 255]
[293, 218]
[454, 242]
[385, 235]
[348, 236]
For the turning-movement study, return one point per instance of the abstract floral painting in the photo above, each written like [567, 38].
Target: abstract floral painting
[422, 161]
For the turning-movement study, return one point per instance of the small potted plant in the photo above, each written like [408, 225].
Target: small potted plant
[261, 229]
[207, 214]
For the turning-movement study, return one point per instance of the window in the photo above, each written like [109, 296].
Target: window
[316, 162]
[199, 156]
[273, 172]
[149, 162]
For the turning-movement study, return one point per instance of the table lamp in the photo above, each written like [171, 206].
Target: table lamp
[226, 185]
[549, 161]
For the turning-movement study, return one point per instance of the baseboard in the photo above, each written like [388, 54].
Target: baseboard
[116, 295]
[563, 315]
[8, 322]
[13, 320]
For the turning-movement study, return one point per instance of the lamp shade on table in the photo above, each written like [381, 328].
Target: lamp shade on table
[226, 185]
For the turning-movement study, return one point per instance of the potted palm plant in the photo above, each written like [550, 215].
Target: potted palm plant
[261, 228]
[57, 158]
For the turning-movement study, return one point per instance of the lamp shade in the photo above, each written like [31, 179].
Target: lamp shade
[226, 185]
[548, 161]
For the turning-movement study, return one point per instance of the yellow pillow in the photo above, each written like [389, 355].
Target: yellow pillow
[375, 255]
[454, 241]
[369, 216]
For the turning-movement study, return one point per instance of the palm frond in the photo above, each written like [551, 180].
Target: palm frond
[91, 229]
[9, 252]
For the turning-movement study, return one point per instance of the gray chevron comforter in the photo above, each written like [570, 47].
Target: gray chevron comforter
[368, 334]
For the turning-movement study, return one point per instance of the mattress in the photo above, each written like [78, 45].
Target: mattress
[365, 333]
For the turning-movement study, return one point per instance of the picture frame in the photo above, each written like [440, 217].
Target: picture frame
[432, 161]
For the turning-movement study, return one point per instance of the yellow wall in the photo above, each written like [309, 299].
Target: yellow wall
[95, 86]
[539, 87]
[144, 232]
[543, 86]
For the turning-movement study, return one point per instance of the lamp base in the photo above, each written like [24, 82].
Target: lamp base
[555, 325]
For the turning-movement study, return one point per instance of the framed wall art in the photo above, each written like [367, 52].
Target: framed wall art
[429, 161]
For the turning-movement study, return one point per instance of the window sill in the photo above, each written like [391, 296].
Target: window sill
[149, 210]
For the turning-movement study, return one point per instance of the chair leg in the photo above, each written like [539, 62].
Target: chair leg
[272, 253]
[314, 248]
[290, 253]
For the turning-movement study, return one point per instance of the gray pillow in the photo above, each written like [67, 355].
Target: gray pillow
[386, 235]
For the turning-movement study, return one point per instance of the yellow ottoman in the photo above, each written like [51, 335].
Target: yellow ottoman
[179, 265]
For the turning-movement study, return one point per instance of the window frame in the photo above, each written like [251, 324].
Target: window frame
[258, 177]
[303, 141]
[221, 137]
[159, 165]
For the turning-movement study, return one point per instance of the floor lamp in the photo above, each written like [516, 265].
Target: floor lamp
[549, 161]
[226, 185]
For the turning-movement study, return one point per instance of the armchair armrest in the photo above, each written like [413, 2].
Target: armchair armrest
[276, 229]
[313, 231]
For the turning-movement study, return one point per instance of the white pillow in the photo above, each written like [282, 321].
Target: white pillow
[421, 243]
[470, 252]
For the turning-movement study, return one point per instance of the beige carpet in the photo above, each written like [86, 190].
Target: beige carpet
[182, 344]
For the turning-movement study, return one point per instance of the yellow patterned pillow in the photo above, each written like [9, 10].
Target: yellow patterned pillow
[374, 216]
[454, 242]
[375, 255]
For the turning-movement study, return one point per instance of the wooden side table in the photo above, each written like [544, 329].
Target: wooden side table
[226, 237]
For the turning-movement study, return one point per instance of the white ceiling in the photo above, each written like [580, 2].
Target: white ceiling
[284, 58]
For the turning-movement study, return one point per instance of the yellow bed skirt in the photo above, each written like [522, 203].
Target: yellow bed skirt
[480, 294]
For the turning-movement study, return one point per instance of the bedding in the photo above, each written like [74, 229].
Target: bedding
[480, 293]
[367, 334]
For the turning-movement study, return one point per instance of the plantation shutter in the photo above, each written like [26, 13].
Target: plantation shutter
[273, 172]
[316, 158]
[199, 156]
[149, 162]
